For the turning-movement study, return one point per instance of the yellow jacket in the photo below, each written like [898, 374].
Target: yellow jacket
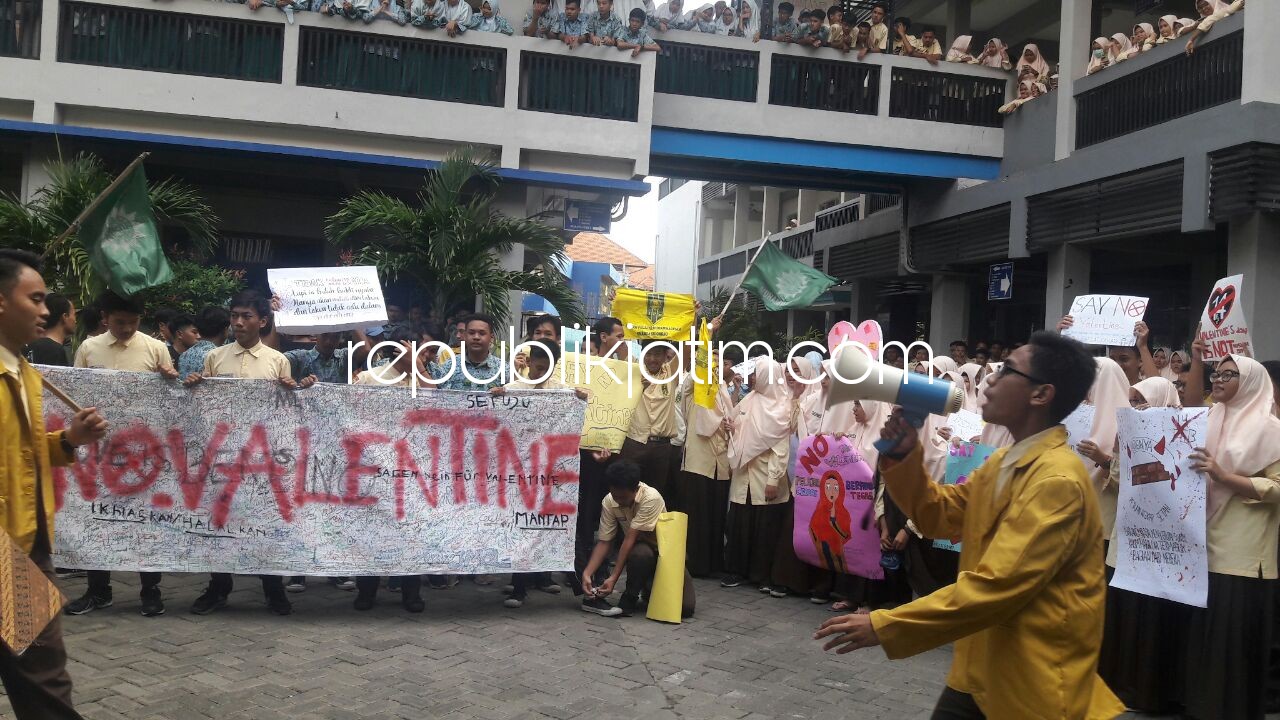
[27, 455]
[1026, 611]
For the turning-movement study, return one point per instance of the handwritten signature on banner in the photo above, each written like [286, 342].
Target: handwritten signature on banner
[335, 479]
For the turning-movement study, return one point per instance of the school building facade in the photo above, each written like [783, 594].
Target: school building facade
[1155, 178]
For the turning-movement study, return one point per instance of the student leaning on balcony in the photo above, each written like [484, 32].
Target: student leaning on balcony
[1211, 11]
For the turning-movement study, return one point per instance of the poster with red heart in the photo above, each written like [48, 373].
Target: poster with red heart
[1223, 327]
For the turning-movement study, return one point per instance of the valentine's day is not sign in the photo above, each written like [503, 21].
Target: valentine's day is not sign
[1223, 327]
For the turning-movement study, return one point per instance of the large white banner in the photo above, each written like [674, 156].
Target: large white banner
[1160, 521]
[244, 476]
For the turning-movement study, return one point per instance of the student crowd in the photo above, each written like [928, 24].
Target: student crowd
[730, 469]
[1108, 51]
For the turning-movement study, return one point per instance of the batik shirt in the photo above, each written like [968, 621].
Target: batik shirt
[545, 23]
[639, 37]
[603, 28]
[571, 28]
[790, 28]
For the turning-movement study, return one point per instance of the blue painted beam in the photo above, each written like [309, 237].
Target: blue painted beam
[533, 177]
[747, 149]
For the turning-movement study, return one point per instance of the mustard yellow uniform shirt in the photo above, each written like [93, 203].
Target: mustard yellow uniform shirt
[28, 453]
[258, 362]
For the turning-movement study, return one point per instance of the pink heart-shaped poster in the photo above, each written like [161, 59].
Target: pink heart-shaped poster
[867, 333]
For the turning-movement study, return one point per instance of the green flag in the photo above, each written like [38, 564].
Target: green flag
[783, 283]
[121, 238]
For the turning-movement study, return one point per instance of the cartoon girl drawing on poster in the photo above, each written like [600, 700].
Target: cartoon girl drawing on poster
[830, 526]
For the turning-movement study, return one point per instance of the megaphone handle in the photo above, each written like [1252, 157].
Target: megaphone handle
[914, 419]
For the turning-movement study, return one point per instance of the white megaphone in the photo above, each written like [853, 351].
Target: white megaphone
[858, 377]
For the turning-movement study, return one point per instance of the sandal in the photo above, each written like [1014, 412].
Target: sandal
[842, 606]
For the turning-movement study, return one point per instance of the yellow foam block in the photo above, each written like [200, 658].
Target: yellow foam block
[668, 580]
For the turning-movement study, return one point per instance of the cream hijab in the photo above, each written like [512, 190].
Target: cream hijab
[1244, 434]
[934, 447]
[1038, 64]
[995, 61]
[809, 403]
[1158, 392]
[1095, 62]
[1172, 22]
[960, 50]
[970, 372]
[1120, 48]
[1110, 392]
[763, 417]
[996, 436]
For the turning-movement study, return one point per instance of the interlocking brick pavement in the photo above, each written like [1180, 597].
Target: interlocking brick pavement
[745, 656]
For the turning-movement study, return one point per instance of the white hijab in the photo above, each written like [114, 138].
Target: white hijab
[960, 49]
[1038, 64]
[490, 24]
[1244, 433]
[459, 12]
[995, 61]
[763, 418]
[1120, 48]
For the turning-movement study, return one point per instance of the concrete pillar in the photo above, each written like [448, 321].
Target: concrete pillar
[807, 207]
[1195, 193]
[35, 175]
[948, 311]
[862, 301]
[1252, 249]
[791, 323]
[1262, 53]
[1018, 228]
[1068, 277]
[742, 216]
[1075, 44]
[771, 220]
[958, 12]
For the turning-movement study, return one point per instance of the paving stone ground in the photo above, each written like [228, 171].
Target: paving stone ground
[745, 656]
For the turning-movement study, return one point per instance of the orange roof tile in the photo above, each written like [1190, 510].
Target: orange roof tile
[642, 278]
[594, 247]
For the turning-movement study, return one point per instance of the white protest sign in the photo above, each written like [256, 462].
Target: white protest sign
[1160, 518]
[1223, 327]
[1106, 319]
[965, 425]
[327, 299]
[1079, 425]
[243, 476]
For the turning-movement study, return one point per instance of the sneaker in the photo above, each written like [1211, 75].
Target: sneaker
[731, 581]
[208, 602]
[513, 602]
[152, 605]
[765, 590]
[779, 591]
[88, 603]
[413, 604]
[628, 605]
[296, 585]
[343, 583]
[63, 573]
[279, 604]
[819, 599]
[364, 602]
[550, 587]
[600, 607]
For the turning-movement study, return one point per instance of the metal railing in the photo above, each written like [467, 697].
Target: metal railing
[579, 86]
[20, 28]
[1179, 86]
[362, 62]
[134, 39]
[882, 201]
[824, 85]
[798, 245]
[706, 71]
[944, 97]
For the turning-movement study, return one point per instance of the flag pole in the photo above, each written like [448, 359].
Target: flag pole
[60, 394]
[738, 287]
[75, 224]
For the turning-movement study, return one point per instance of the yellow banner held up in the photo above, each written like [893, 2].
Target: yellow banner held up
[654, 316]
[610, 403]
[706, 378]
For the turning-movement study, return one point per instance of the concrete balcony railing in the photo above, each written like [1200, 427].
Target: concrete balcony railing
[703, 82]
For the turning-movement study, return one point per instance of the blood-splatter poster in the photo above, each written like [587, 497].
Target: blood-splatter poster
[1160, 521]
[244, 476]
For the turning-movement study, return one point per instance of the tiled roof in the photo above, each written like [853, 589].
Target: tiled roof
[594, 247]
[642, 279]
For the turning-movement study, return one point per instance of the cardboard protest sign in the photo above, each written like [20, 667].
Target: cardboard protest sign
[867, 333]
[961, 462]
[965, 425]
[1106, 319]
[835, 518]
[1079, 424]
[328, 299]
[1223, 327]
[614, 387]
[652, 315]
[243, 476]
[1160, 518]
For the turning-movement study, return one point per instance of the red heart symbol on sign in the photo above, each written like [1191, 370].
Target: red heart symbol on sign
[1220, 304]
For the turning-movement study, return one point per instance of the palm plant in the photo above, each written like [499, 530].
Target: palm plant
[449, 243]
[38, 224]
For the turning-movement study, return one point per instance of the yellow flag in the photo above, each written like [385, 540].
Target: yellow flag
[706, 378]
[654, 316]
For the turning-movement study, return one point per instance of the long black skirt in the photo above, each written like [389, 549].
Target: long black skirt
[1142, 643]
[753, 534]
[929, 569]
[1226, 655]
[789, 570]
[707, 504]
